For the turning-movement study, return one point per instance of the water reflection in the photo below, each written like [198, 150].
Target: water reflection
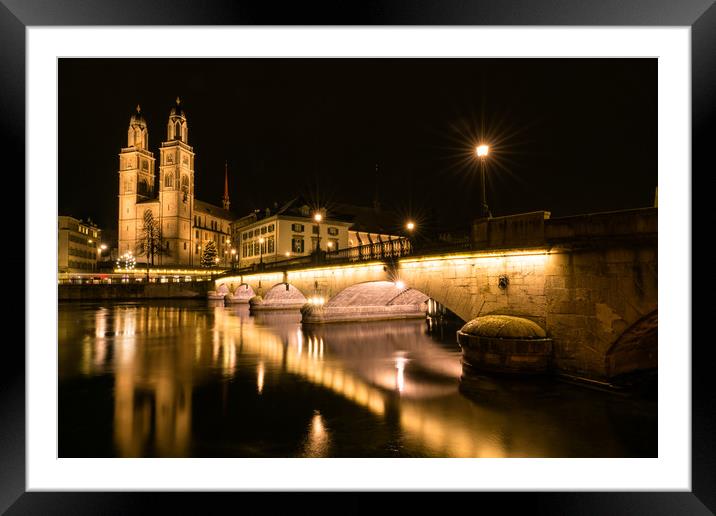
[195, 380]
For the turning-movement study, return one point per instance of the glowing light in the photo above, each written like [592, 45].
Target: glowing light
[400, 373]
[410, 225]
[330, 244]
[482, 150]
[318, 217]
[288, 253]
[103, 247]
[400, 284]
[317, 441]
[260, 378]
[261, 240]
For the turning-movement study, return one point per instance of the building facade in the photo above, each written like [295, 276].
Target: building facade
[293, 231]
[184, 224]
[78, 245]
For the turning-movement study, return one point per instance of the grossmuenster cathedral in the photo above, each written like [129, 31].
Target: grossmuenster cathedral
[186, 223]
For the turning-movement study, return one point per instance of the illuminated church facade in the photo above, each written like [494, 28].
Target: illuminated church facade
[186, 223]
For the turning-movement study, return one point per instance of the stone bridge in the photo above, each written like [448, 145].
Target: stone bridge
[590, 281]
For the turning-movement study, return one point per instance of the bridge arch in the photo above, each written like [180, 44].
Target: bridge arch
[635, 349]
[377, 293]
[368, 300]
[280, 295]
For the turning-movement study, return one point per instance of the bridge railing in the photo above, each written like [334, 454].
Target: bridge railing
[374, 251]
[387, 250]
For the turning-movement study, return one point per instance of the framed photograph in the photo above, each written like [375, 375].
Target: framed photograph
[407, 249]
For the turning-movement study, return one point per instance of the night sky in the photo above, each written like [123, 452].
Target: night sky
[567, 135]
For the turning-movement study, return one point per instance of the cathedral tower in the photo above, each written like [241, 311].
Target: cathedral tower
[136, 180]
[176, 188]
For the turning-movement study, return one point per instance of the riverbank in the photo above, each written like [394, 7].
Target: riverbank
[125, 291]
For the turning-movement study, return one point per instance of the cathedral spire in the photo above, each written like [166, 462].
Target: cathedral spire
[225, 199]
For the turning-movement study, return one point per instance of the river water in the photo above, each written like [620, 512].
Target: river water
[192, 379]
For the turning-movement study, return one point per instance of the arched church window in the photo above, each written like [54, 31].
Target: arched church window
[185, 187]
[168, 180]
[137, 138]
[177, 131]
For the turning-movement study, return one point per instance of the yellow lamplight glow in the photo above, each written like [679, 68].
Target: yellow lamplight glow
[400, 285]
[318, 217]
[410, 225]
[482, 150]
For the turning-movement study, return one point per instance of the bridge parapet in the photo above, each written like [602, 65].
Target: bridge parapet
[617, 225]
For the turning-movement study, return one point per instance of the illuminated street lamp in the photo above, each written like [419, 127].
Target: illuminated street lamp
[318, 218]
[410, 225]
[482, 151]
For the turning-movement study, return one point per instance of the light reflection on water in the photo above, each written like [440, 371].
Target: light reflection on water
[191, 379]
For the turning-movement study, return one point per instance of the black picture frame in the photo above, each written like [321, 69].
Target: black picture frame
[17, 15]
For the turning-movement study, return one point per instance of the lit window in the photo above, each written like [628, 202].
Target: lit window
[297, 245]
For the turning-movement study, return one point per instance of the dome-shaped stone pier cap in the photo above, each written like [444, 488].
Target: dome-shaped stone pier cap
[504, 327]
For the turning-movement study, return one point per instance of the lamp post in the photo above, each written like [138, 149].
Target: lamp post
[318, 218]
[482, 151]
[410, 227]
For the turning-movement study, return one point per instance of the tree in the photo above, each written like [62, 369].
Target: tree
[151, 242]
[209, 254]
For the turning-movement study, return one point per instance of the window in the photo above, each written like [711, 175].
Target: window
[168, 179]
[297, 245]
[185, 246]
[298, 228]
[270, 245]
[251, 234]
[270, 228]
[315, 229]
[333, 231]
[197, 234]
[263, 230]
[177, 131]
[332, 244]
